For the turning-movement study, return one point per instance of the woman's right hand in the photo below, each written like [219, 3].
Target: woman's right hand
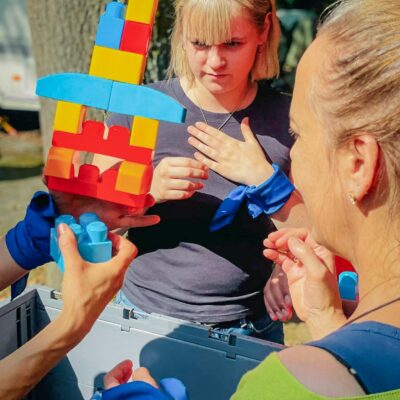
[311, 277]
[87, 287]
[173, 178]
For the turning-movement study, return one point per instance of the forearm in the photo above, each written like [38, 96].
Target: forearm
[23, 369]
[10, 271]
[292, 215]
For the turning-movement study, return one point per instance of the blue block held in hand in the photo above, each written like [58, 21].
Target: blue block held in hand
[91, 236]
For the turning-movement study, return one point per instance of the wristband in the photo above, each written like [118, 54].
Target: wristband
[29, 241]
[269, 197]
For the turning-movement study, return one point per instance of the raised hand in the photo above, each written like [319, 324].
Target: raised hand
[175, 178]
[311, 278]
[243, 162]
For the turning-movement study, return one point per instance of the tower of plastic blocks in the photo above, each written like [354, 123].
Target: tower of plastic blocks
[113, 84]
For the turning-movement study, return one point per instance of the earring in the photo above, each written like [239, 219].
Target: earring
[352, 199]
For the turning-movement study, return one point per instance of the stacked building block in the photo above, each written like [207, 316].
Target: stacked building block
[348, 285]
[113, 84]
[91, 237]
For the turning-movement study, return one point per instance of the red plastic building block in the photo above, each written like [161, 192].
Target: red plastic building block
[136, 37]
[116, 145]
[90, 183]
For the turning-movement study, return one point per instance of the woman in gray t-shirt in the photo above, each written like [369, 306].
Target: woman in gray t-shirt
[220, 52]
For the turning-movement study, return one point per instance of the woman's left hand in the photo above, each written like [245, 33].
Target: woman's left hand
[311, 277]
[241, 162]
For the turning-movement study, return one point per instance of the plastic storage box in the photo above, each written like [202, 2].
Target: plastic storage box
[210, 364]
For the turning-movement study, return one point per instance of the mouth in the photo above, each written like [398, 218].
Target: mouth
[217, 76]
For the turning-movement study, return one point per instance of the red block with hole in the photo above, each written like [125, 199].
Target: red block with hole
[90, 183]
[136, 37]
[116, 145]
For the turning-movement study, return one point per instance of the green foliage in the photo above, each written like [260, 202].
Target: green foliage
[158, 61]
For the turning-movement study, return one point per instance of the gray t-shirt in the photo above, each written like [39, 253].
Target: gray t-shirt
[183, 270]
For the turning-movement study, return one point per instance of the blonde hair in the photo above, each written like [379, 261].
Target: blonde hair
[361, 90]
[209, 22]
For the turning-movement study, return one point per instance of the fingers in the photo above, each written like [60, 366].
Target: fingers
[186, 172]
[68, 247]
[143, 374]
[279, 239]
[307, 257]
[211, 164]
[125, 251]
[118, 375]
[247, 133]
[211, 150]
[181, 162]
[139, 221]
[277, 296]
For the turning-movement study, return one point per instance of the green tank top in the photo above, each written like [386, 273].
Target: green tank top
[271, 380]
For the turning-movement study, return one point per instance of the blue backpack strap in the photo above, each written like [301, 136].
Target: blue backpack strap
[371, 352]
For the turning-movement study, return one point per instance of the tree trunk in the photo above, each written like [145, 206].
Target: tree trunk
[63, 34]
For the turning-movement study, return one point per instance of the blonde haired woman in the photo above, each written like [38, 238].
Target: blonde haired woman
[345, 116]
[220, 50]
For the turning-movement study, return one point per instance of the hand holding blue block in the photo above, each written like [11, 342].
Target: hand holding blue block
[91, 236]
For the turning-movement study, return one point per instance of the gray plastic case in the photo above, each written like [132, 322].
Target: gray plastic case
[210, 364]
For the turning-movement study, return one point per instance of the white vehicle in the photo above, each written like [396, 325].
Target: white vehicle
[17, 67]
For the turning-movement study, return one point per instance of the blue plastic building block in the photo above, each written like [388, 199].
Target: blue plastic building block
[145, 102]
[89, 91]
[111, 25]
[348, 285]
[105, 94]
[174, 388]
[91, 235]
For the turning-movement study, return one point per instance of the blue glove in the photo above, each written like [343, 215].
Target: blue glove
[269, 197]
[143, 391]
[29, 241]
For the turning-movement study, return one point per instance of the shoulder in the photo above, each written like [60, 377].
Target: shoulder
[319, 371]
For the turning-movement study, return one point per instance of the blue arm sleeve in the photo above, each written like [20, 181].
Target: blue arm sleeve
[29, 241]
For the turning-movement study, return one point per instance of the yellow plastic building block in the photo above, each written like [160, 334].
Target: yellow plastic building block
[69, 117]
[59, 163]
[117, 65]
[144, 132]
[143, 11]
[134, 178]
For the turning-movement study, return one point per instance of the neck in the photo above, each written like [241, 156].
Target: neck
[238, 98]
[377, 259]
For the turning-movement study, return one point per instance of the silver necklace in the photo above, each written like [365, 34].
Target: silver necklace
[227, 118]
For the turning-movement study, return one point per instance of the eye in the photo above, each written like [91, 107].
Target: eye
[199, 45]
[233, 44]
[293, 134]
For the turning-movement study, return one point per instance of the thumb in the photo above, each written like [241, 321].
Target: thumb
[315, 268]
[68, 246]
[247, 133]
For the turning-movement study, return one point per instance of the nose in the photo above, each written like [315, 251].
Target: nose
[215, 58]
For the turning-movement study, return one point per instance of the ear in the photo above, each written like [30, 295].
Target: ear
[361, 165]
[266, 29]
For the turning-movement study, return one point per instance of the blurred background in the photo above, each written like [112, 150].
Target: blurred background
[42, 37]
